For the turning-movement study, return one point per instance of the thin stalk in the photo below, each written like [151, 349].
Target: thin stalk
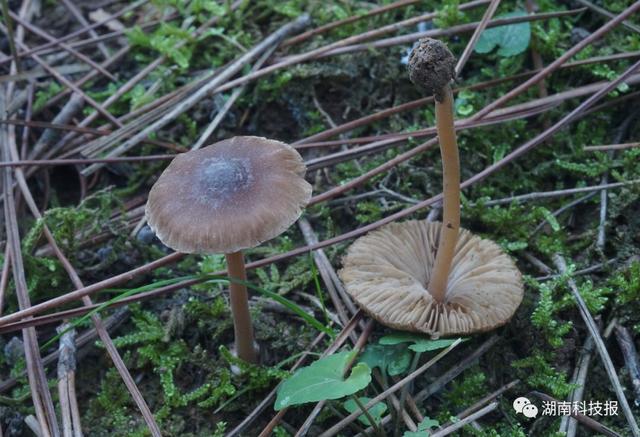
[451, 191]
[368, 415]
[405, 389]
[318, 289]
[12, 45]
[239, 299]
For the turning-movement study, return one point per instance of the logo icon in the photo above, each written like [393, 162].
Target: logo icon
[524, 406]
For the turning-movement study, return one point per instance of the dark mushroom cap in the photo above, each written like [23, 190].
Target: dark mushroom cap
[387, 272]
[432, 66]
[228, 196]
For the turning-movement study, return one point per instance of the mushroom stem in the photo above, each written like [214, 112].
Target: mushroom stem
[240, 308]
[451, 191]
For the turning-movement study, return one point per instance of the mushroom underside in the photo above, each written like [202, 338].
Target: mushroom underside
[388, 270]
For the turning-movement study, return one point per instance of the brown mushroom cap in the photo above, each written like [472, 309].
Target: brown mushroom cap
[228, 196]
[387, 272]
[431, 66]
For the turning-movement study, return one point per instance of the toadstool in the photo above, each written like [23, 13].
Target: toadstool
[226, 197]
[387, 272]
[431, 277]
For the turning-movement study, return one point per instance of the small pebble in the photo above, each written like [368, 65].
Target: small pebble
[145, 235]
[14, 351]
[104, 252]
[578, 34]
[13, 421]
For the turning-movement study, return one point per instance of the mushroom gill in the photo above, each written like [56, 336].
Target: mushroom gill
[387, 272]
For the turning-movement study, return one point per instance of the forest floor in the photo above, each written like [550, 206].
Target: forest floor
[106, 92]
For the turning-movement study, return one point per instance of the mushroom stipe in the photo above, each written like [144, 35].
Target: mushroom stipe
[432, 67]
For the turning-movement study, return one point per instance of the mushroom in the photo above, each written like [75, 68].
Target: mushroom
[387, 272]
[226, 197]
[431, 277]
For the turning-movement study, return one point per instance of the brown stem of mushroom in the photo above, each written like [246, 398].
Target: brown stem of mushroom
[240, 308]
[451, 191]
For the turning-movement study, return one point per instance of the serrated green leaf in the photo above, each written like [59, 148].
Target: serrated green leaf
[323, 380]
[394, 359]
[511, 39]
[376, 411]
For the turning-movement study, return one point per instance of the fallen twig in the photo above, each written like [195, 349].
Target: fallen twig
[42, 400]
[324, 28]
[338, 295]
[66, 382]
[630, 354]
[611, 147]
[600, 347]
[83, 339]
[12, 153]
[78, 16]
[456, 426]
[438, 33]
[557, 193]
[482, 25]
[72, 35]
[567, 424]
[186, 103]
[607, 14]
[64, 46]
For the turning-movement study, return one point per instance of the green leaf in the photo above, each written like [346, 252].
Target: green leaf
[499, 152]
[393, 359]
[400, 337]
[464, 102]
[138, 37]
[323, 380]
[511, 39]
[514, 246]
[423, 428]
[376, 411]
[550, 218]
[289, 8]
[464, 109]
[420, 343]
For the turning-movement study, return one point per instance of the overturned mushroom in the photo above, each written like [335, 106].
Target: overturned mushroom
[388, 271]
[226, 197]
[431, 277]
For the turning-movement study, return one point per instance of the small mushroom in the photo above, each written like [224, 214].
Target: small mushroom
[387, 272]
[226, 197]
[431, 277]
